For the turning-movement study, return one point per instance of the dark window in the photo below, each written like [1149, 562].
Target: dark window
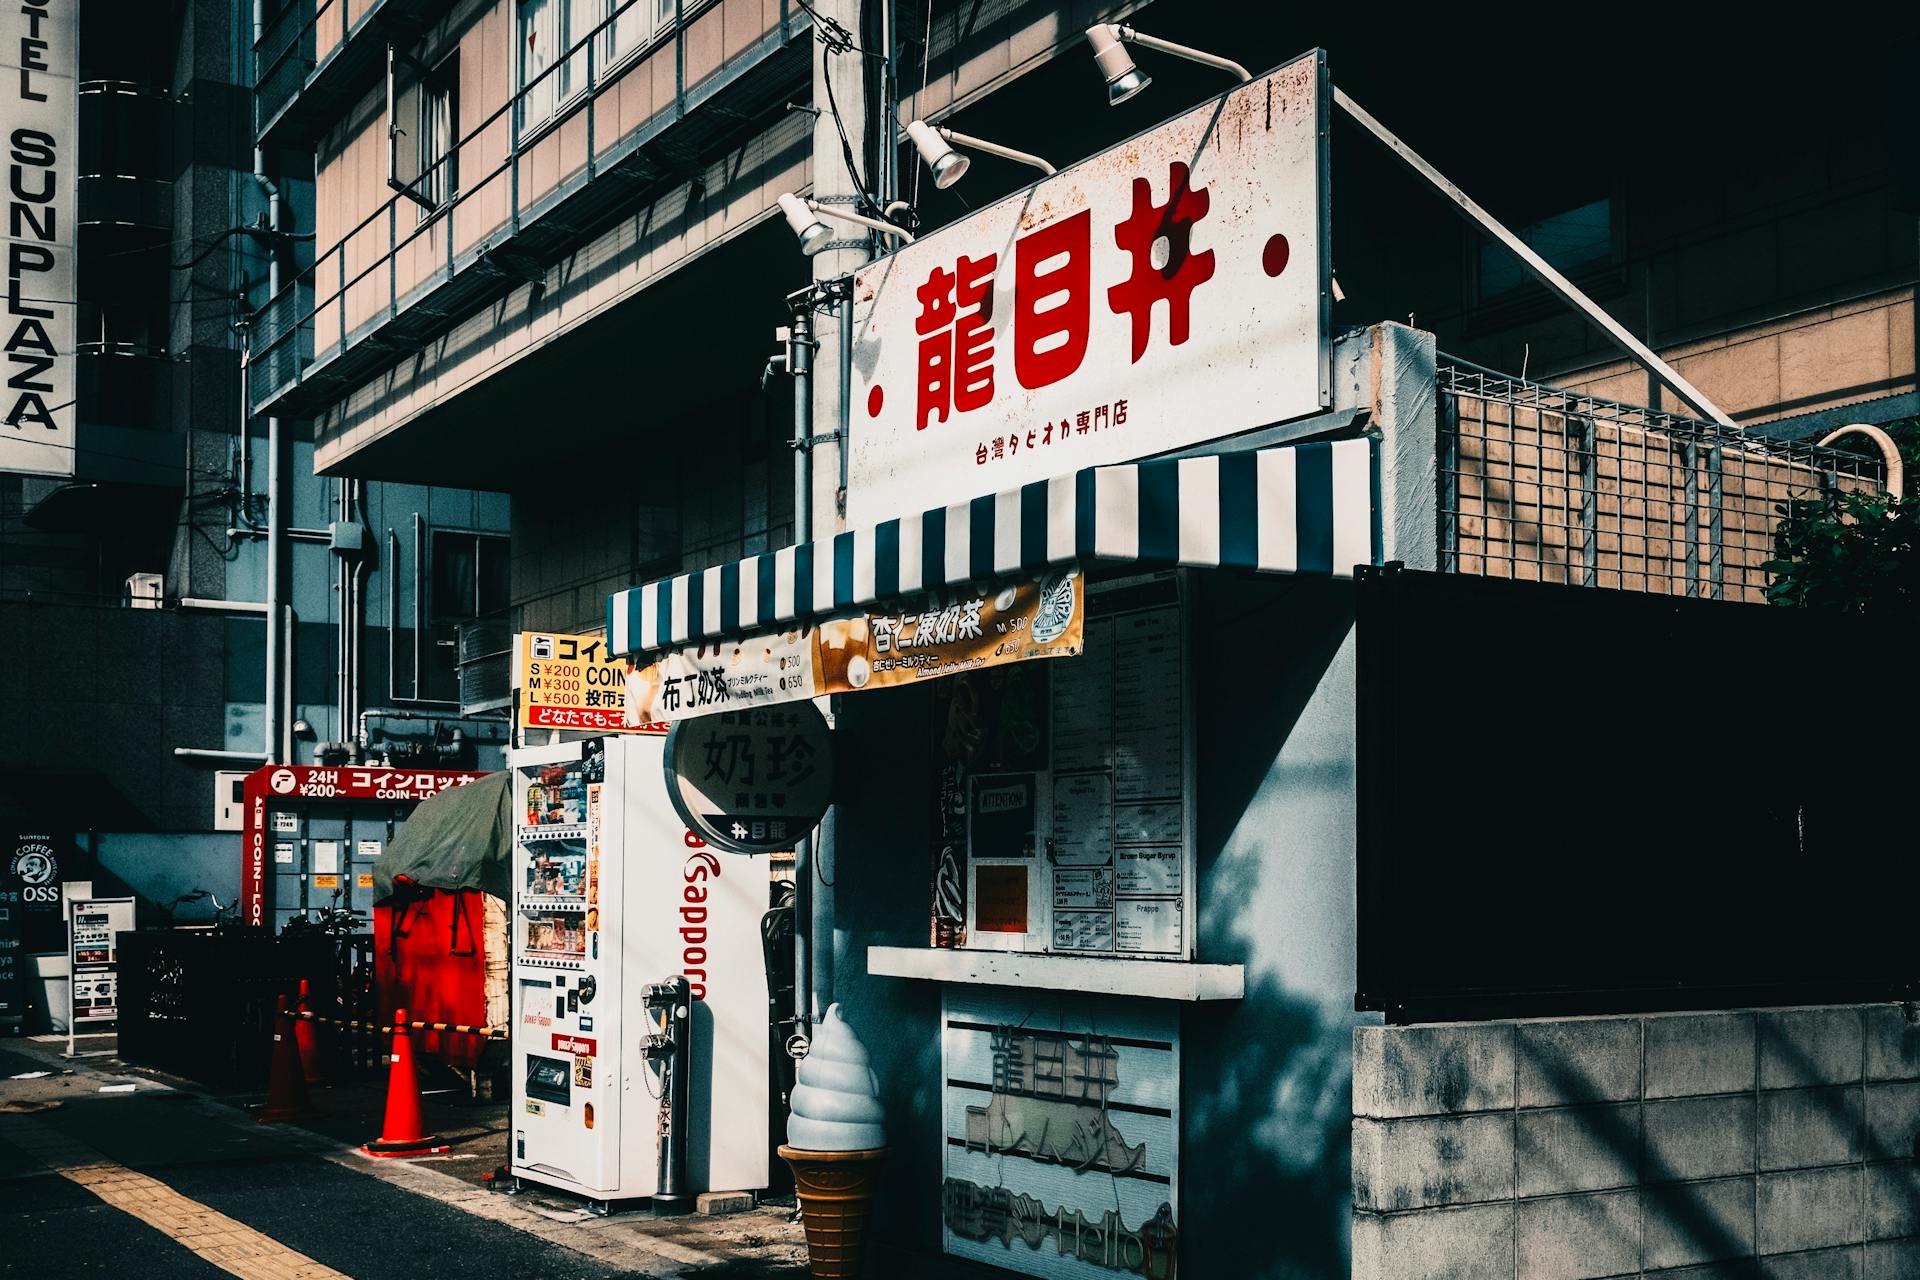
[468, 582]
[1572, 242]
[469, 576]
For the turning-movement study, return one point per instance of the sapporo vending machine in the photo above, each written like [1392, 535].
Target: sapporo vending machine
[612, 896]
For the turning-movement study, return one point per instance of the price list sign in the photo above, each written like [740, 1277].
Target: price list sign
[1118, 865]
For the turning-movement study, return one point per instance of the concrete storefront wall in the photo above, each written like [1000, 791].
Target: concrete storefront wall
[1582, 1148]
[1265, 1142]
[1264, 1191]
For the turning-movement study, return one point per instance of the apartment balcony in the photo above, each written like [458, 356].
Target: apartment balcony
[314, 57]
[404, 274]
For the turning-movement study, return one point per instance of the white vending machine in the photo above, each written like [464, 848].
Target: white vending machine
[613, 899]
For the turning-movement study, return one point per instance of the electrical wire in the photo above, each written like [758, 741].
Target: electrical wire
[846, 145]
[926, 63]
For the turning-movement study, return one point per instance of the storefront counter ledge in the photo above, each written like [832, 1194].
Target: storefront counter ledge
[1099, 975]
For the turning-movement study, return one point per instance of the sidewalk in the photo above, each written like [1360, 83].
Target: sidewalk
[758, 1243]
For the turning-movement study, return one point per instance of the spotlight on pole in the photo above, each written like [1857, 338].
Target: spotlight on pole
[813, 233]
[948, 165]
[1124, 80]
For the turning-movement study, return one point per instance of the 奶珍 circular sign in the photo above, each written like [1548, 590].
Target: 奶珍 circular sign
[752, 781]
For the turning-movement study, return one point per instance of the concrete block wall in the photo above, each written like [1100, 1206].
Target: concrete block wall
[1770, 1143]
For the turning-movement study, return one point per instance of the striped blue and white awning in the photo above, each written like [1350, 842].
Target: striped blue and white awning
[1306, 509]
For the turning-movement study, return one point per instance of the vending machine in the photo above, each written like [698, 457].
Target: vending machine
[614, 899]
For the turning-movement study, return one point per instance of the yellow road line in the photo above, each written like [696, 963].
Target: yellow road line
[227, 1243]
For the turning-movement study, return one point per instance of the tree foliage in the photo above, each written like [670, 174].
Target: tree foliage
[1856, 552]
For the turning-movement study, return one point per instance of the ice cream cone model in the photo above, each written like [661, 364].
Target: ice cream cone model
[836, 1143]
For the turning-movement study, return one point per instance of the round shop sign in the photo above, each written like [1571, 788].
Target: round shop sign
[35, 864]
[752, 781]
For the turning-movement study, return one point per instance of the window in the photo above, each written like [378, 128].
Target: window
[438, 157]
[468, 582]
[1572, 242]
[633, 26]
[469, 576]
[548, 28]
[543, 38]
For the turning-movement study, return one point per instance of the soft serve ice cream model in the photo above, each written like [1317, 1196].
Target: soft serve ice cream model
[836, 1141]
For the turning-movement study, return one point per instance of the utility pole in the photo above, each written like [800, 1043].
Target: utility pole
[839, 143]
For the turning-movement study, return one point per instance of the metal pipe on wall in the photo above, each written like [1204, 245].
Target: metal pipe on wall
[800, 349]
[843, 436]
[278, 743]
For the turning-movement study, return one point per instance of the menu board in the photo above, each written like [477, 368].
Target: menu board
[1117, 864]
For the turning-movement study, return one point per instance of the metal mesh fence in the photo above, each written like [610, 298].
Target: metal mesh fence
[1548, 485]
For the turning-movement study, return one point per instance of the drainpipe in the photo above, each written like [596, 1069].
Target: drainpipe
[277, 745]
[342, 639]
[244, 509]
[800, 349]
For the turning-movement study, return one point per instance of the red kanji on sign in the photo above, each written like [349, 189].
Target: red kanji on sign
[1052, 279]
[956, 340]
[1173, 281]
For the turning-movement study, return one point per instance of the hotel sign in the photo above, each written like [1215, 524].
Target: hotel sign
[39, 89]
[1171, 290]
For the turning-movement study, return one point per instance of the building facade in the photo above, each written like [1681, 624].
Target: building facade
[140, 553]
[551, 258]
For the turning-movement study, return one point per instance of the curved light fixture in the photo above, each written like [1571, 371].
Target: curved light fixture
[936, 145]
[948, 165]
[1123, 78]
[805, 217]
[813, 233]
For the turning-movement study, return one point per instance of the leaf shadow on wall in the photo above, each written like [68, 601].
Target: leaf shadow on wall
[1266, 1189]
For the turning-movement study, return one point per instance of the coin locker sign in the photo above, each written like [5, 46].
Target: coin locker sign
[572, 682]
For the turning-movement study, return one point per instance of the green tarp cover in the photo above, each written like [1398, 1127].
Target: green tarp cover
[460, 839]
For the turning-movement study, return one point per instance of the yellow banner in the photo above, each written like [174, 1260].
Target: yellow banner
[571, 682]
[1020, 622]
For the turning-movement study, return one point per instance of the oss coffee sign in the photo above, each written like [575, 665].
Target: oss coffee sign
[1170, 290]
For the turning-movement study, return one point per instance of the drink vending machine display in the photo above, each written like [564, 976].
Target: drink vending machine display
[613, 897]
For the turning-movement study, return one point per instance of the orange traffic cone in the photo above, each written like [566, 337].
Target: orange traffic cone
[307, 1036]
[403, 1133]
[286, 1082]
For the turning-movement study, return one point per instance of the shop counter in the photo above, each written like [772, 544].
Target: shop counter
[1099, 975]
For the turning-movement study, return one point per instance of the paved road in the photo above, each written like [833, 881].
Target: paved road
[158, 1183]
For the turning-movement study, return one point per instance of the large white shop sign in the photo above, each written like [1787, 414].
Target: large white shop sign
[1170, 290]
[39, 90]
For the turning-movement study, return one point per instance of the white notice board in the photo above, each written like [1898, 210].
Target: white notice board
[1062, 1133]
[93, 926]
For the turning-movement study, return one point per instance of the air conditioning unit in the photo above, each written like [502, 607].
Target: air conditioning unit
[485, 665]
[145, 591]
[229, 800]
